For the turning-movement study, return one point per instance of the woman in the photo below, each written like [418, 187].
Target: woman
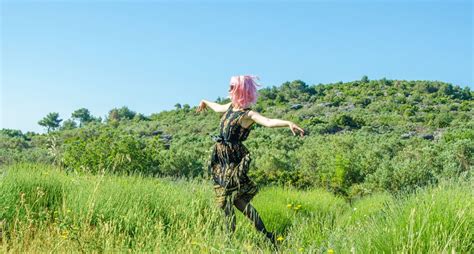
[230, 159]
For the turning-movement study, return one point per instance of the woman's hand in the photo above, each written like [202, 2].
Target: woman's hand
[272, 123]
[295, 128]
[202, 106]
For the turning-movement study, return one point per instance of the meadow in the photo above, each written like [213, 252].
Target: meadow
[46, 209]
[385, 167]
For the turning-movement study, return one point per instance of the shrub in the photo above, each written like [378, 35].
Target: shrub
[109, 149]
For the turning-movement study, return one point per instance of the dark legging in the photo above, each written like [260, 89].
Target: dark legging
[249, 211]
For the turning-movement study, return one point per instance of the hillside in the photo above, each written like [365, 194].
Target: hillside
[362, 136]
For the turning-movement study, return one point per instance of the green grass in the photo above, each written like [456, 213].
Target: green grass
[43, 209]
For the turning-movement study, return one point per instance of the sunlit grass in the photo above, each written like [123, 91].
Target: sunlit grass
[44, 209]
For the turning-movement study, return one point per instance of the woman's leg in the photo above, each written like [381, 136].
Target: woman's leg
[250, 212]
[229, 216]
[224, 201]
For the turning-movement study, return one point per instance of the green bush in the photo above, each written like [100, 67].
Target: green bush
[111, 150]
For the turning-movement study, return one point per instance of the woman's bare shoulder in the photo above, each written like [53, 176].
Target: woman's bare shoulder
[252, 113]
[225, 107]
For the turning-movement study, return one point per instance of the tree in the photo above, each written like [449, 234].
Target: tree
[186, 107]
[113, 115]
[140, 117]
[82, 115]
[97, 119]
[123, 113]
[50, 121]
[296, 90]
[364, 79]
[11, 133]
[177, 106]
[69, 124]
[126, 113]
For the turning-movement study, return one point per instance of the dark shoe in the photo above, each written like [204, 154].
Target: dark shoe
[271, 236]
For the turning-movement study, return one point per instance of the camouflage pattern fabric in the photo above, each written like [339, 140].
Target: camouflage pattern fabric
[230, 160]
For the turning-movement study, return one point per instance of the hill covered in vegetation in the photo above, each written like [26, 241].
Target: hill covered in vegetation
[362, 136]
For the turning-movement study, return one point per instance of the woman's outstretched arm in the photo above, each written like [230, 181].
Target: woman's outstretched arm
[212, 105]
[273, 123]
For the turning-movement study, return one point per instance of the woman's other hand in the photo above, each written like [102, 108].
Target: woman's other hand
[295, 128]
[272, 123]
[202, 106]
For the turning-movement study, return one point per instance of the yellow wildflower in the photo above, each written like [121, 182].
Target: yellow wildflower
[280, 238]
[300, 249]
[330, 251]
[289, 205]
[299, 206]
[64, 234]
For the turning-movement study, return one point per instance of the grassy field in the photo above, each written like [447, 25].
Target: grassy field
[43, 209]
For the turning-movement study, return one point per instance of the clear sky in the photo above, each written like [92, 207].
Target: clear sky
[59, 56]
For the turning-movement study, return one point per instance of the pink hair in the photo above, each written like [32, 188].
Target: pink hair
[244, 91]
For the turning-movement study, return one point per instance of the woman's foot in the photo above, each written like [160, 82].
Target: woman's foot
[271, 236]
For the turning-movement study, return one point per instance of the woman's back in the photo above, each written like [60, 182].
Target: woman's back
[230, 160]
[231, 130]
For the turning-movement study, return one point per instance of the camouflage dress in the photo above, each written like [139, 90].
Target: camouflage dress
[230, 160]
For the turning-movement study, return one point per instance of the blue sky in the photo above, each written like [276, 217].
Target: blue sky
[59, 56]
